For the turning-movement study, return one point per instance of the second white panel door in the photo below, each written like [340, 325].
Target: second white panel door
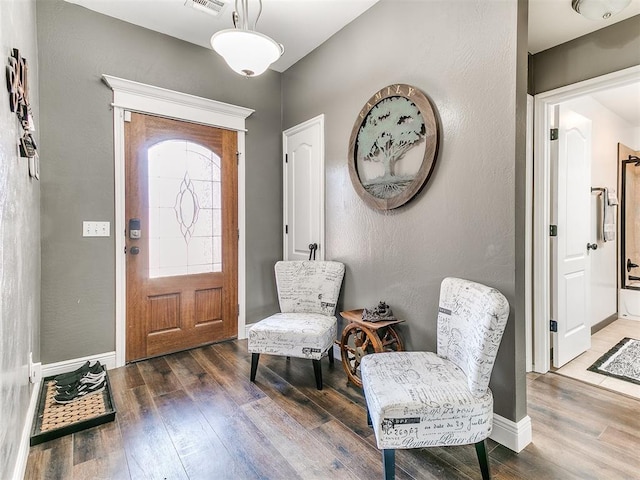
[303, 146]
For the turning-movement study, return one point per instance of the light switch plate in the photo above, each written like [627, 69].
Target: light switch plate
[96, 229]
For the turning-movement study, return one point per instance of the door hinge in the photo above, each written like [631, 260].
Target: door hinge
[553, 230]
[286, 229]
[238, 234]
[553, 325]
[125, 249]
[238, 310]
[127, 116]
[554, 134]
[237, 158]
[286, 158]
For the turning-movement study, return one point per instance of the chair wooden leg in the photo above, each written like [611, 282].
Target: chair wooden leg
[389, 464]
[317, 370]
[330, 353]
[254, 365]
[483, 459]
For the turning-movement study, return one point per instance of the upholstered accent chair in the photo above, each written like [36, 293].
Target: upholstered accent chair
[424, 399]
[306, 326]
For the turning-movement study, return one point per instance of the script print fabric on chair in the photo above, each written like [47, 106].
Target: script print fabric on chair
[423, 399]
[306, 327]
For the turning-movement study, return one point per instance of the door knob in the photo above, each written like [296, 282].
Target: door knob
[312, 250]
[592, 246]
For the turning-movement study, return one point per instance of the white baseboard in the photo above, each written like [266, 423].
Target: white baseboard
[514, 436]
[23, 450]
[108, 359]
[35, 372]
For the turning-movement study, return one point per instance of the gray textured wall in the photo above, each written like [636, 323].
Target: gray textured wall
[514, 344]
[19, 241]
[604, 51]
[77, 46]
[463, 55]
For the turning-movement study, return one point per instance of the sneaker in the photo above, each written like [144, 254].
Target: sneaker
[82, 391]
[72, 378]
[64, 377]
[89, 379]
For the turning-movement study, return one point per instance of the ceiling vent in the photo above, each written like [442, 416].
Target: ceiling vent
[212, 7]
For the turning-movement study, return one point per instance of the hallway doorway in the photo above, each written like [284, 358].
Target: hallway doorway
[598, 94]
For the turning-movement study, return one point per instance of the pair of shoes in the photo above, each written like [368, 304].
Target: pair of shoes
[89, 379]
[66, 380]
[81, 390]
[85, 381]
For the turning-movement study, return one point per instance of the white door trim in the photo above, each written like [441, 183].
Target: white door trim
[543, 119]
[139, 97]
[319, 120]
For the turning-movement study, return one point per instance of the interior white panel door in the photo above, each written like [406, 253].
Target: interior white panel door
[303, 147]
[572, 263]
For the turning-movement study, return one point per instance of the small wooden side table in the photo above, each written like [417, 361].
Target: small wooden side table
[360, 338]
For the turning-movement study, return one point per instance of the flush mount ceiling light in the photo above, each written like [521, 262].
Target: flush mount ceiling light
[599, 9]
[246, 51]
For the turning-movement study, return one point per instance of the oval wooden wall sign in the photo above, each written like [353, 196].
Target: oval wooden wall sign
[393, 146]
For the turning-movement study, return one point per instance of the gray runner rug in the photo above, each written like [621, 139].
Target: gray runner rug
[622, 361]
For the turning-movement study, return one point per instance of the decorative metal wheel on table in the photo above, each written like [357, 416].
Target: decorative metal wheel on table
[358, 341]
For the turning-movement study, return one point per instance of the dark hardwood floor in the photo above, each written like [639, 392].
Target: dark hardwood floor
[195, 415]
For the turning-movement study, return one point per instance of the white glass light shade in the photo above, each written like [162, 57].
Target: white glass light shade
[599, 9]
[247, 52]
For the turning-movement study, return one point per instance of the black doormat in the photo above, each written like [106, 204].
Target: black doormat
[622, 361]
[54, 420]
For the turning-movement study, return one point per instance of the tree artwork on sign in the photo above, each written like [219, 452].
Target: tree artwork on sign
[393, 146]
[392, 128]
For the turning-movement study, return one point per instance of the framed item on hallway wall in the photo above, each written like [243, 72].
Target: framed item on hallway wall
[17, 85]
[393, 146]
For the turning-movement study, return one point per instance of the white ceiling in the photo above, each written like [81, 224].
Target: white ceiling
[302, 25]
[552, 22]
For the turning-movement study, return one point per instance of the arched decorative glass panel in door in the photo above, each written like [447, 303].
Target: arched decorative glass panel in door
[185, 216]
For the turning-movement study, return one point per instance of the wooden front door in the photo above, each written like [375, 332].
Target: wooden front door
[182, 235]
